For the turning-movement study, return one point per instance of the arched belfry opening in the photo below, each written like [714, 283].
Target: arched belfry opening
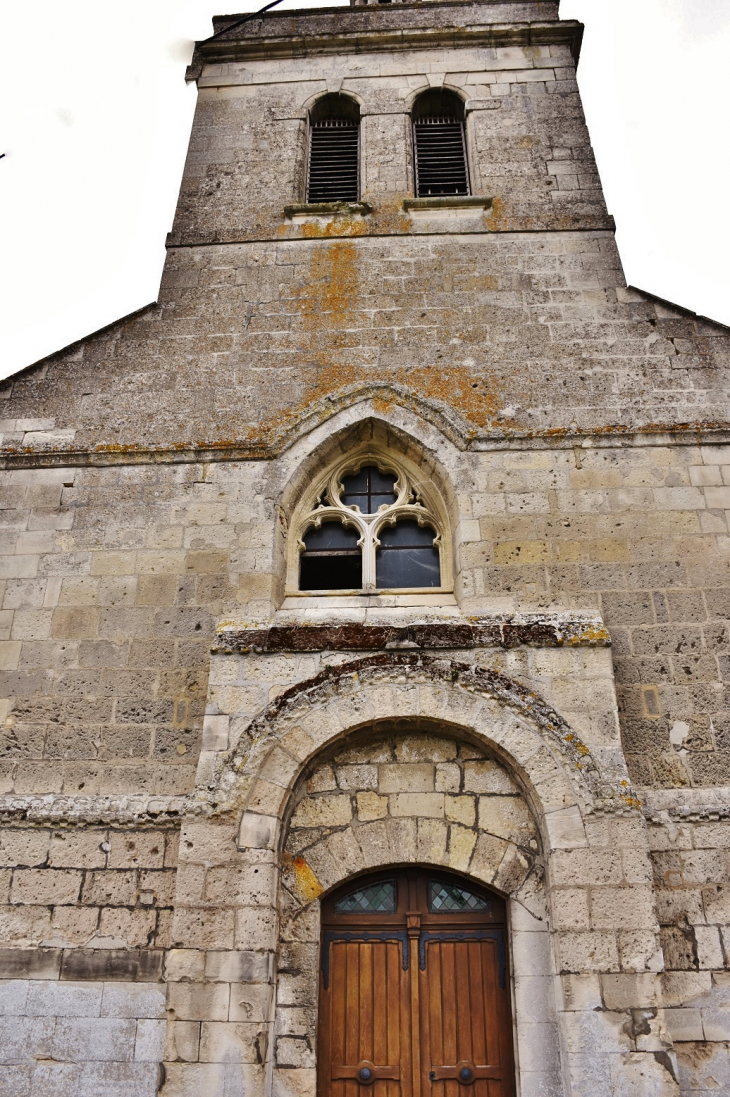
[333, 166]
[413, 988]
[439, 145]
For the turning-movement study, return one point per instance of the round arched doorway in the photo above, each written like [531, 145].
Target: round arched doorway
[413, 989]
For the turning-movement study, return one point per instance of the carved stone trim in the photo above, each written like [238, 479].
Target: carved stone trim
[516, 630]
[685, 805]
[117, 811]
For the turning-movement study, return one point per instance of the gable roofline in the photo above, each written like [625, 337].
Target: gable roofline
[698, 316]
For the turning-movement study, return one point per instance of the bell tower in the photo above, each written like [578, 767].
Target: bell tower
[364, 717]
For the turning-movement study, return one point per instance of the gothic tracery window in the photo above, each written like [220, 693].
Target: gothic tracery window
[369, 529]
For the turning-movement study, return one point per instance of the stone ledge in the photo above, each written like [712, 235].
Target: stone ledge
[328, 209]
[532, 630]
[685, 804]
[447, 202]
[58, 810]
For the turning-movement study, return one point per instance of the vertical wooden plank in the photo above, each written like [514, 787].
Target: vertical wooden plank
[380, 1017]
[478, 1012]
[432, 1038]
[401, 1031]
[415, 1017]
[366, 1019]
[352, 1013]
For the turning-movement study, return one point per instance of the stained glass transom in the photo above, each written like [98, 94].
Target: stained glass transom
[449, 897]
[374, 899]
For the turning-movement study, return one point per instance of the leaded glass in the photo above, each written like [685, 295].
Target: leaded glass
[449, 897]
[374, 899]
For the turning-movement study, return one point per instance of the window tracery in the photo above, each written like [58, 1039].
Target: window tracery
[369, 528]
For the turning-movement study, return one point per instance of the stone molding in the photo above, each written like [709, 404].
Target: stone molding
[685, 805]
[62, 810]
[262, 43]
[599, 795]
[517, 630]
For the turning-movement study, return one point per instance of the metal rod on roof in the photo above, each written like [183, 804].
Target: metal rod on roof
[246, 18]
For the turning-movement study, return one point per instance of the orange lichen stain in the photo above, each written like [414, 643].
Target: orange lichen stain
[382, 405]
[307, 884]
[496, 214]
[591, 636]
[336, 226]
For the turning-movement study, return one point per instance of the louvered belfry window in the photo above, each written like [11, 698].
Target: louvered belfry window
[439, 145]
[334, 151]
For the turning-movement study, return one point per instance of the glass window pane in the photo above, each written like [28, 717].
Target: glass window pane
[375, 899]
[443, 898]
[330, 572]
[382, 481]
[416, 567]
[361, 489]
[331, 536]
[406, 534]
[356, 481]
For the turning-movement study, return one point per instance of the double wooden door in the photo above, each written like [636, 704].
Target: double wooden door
[414, 998]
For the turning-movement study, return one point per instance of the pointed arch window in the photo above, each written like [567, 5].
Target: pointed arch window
[333, 166]
[370, 529]
[439, 145]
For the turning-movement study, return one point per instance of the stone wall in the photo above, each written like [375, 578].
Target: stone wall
[80, 1039]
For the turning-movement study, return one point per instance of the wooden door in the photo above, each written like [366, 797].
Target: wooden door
[414, 998]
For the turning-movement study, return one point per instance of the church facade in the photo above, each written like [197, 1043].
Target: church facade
[366, 608]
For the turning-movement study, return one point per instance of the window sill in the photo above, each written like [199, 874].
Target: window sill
[352, 599]
[299, 210]
[447, 202]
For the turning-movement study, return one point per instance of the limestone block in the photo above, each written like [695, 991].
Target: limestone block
[198, 1001]
[506, 817]
[41, 886]
[565, 828]
[488, 855]
[196, 1079]
[251, 1002]
[488, 777]
[280, 768]
[255, 928]
[25, 1038]
[417, 748]
[184, 964]
[138, 1000]
[213, 928]
[94, 1038]
[127, 928]
[417, 777]
[149, 1045]
[432, 836]
[23, 847]
[322, 811]
[370, 806]
[182, 1041]
[358, 777]
[208, 844]
[580, 952]
[461, 809]
[460, 847]
[622, 908]
[423, 804]
[230, 1042]
[297, 1082]
[257, 831]
[141, 849]
[50, 999]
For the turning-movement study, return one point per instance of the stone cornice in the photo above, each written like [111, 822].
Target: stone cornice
[56, 809]
[400, 27]
[685, 805]
[456, 634]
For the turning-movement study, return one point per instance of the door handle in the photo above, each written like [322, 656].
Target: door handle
[366, 1073]
[465, 1073]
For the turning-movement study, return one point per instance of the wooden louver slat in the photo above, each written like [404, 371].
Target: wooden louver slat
[333, 161]
[440, 153]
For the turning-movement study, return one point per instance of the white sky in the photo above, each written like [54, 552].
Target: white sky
[95, 118]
